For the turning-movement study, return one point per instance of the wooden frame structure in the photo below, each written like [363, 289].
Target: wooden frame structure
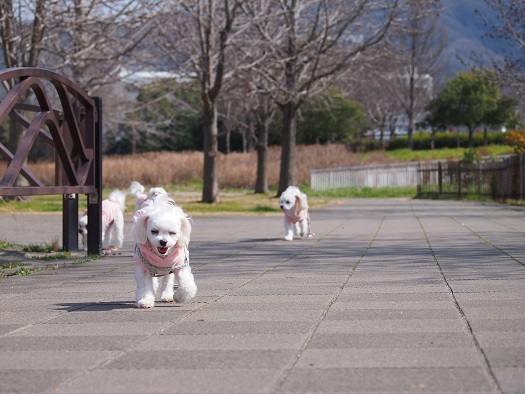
[50, 107]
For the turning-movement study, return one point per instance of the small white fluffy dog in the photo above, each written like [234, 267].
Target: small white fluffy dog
[112, 222]
[294, 205]
[138, 191]
[162, 235]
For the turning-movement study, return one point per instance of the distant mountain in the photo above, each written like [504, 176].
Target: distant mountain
[467, 34]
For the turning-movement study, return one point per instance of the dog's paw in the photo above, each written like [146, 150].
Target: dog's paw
[143, 304]
[288, 237]
[166, 299]
[183, 295]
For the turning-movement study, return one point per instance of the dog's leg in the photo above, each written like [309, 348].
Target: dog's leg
[118, 231]
[303, 228]
[84, 241]
[288, 231]
[297, 229]
[145, 296]
[106, 235]
[187, 287]
[166, 288]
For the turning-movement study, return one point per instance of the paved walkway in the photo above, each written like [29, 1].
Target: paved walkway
[389, 296]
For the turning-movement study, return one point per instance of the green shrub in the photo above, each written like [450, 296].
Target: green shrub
[423, 141]
[397, 143]
[362, 145]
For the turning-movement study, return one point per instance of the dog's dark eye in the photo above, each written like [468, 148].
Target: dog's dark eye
[155, 232]
[288, 202]
[173, 233]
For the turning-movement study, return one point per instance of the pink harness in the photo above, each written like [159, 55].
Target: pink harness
[161, 265]
[298, 217]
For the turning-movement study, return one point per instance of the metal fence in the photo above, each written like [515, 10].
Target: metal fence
[502, 177]
[497, 178]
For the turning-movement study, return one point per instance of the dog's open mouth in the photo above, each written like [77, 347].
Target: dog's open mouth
[162, 250]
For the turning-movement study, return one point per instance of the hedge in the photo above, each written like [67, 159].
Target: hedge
[423, 141]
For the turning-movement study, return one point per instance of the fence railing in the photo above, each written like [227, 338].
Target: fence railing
[373, 176]
[501, 177]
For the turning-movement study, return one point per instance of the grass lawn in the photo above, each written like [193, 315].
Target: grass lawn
[244, 201]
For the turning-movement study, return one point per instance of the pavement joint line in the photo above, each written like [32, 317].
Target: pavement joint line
[486, 241]
[190, 313]
[123, 352]
[506, 226]
[486, 363]
[290, 350]
[288, 369]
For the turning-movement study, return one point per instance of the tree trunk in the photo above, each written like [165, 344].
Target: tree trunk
[261, 183]
[210, 187]
[287, 175]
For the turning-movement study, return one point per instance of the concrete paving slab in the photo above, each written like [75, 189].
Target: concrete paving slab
[173, 380]
[389, 296]
[388, 380]
[391, 358]
[512, 379]
[391, 341]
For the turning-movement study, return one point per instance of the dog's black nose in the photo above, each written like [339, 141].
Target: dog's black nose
[163, 242]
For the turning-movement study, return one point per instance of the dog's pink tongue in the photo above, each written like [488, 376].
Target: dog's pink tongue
[162, 250]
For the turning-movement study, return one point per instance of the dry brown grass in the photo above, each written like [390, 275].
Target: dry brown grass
[236, 170]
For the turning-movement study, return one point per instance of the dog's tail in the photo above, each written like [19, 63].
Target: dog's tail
[135, 189]
[119, 197]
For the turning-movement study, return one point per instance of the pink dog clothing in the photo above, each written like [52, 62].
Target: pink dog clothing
[110, 210]
[161, 265]
[141, 197]
[298, 217]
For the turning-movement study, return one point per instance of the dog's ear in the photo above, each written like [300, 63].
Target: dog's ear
[184, 239]
[140, 234]
[301, 202]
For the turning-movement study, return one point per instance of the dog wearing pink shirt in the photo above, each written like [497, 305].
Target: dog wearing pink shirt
[294, 205]
[112, 222]
[162, 236]
[139, 192]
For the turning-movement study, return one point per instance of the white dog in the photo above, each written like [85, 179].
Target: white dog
[137, 191]
[112, 222]
[294, 205]
[162, 235]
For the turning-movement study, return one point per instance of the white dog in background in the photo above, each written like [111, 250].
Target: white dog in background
[294, 205]
[112, 222]
[138, 191]
[162, 235]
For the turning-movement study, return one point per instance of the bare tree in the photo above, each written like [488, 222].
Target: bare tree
[89, 41]
[262, 109]
[416, 45]
[22, 27]
[197, 34]
[308, 45]
[369, 83]
[509, 27]
[94, 41]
